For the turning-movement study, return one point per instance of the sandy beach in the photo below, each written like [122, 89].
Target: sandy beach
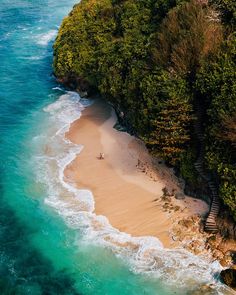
[127, 184]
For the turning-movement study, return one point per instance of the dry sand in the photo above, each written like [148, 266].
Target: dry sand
[127, 188]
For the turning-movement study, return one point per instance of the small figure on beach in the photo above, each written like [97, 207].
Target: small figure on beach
[101, 156]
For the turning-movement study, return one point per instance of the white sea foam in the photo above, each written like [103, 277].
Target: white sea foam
[144, 254]
[39, 57]
[44, 39]
[58, 88]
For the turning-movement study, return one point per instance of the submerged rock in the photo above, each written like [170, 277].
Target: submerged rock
[82, 94]
[203, 290]
[228, 276]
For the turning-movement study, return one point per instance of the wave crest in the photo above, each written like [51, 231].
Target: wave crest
[45, 39]
[177, 267]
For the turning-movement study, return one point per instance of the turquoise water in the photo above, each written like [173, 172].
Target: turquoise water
[47, 242]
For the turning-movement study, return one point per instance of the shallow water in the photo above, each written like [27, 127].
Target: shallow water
[51, 242]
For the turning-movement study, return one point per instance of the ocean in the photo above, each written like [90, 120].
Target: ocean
[48, 241]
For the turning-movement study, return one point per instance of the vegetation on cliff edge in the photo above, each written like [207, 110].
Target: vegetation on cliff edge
[158, 62]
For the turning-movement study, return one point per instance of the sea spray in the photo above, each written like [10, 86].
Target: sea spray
[143, 254]
[45, 38]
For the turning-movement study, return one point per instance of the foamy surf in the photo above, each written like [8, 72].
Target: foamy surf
[175, 267]
[44, 39]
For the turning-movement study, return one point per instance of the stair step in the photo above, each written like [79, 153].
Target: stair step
[199, 168]
[211, 228]
[212, 210]
[213, 218]
[211, 225]
[203, 174]
[214, 231]
[214, 207]
[198, 164]
[212, 188]
[213, 191]
[213, 213]
[210, 220]
[207, 178]
[215, 203]
[214, 195]
[200, 171]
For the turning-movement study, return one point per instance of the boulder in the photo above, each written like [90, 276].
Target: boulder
[180, 196]
[166, 192]
[204, 289]
[226, 261]
[82, 94]
[228, 276]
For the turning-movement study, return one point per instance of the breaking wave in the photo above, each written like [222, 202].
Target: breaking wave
[44, 39]
[176, 267]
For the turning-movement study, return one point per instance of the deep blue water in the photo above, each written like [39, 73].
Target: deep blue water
[39, 252]
[25, 83]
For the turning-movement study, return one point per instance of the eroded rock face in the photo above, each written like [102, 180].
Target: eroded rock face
[228, 276]
[226, 225]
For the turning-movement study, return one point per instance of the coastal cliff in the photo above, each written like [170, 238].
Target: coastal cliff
[160, 65]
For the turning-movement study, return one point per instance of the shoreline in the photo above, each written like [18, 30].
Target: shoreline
[127, 185]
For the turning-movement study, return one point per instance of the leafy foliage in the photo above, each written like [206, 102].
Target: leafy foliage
[227, 9]
[155, 61]
[170, 126]
[186, 36]
[217, 82]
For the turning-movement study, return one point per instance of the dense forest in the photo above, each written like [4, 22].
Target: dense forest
[166, 65]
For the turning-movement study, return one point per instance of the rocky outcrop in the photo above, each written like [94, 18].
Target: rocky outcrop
[78, 84]
[123, 123]
[228, 276]
[226, 225]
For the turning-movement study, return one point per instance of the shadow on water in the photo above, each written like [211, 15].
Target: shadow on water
[22, 269]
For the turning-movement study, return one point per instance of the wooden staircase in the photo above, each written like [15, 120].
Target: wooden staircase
[210, 223]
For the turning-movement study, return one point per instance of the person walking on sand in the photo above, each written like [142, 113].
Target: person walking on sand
[101, 156]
